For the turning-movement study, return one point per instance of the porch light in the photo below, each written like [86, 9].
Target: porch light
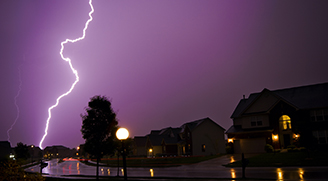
[275, 137]
[150, 150]
[296, 135]
[230, 140]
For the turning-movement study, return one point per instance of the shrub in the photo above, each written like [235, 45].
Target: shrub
[277, 150]
[229, 150]
[291, 146]
[268, 148]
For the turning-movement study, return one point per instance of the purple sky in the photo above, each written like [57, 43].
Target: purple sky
[162, 63]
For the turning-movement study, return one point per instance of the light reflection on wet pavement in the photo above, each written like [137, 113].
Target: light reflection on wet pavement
[208, 169]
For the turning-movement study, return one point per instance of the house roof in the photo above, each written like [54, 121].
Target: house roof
[168, 135]
[193, 124]
[304, 97]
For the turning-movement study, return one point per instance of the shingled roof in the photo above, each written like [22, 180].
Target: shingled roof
[171, 135]
[304, 97]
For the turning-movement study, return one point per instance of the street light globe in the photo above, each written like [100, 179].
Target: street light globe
[122, 134]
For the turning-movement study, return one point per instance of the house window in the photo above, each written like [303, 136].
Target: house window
[286, 122]
[319, 115]
[321, 136]
[203, 147]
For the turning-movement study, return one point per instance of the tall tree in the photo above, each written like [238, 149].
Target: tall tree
[21, 151]
[98, 128]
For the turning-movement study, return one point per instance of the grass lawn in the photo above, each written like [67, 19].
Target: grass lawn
[286, 159]
[156, 162]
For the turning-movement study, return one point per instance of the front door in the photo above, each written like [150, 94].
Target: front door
[286, 140]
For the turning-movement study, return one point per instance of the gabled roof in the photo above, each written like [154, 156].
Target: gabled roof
[169, 135]
[192, 125]
[304, 97]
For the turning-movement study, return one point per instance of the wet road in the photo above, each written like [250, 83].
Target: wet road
[207, 169]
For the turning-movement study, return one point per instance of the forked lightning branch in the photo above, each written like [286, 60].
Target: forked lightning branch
[72, 68]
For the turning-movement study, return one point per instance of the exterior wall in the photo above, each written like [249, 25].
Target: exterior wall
[209, 134]
[246, 121]
[171, 149]
[157, 150]
[238, 121]
[140, 151]
[253, 145]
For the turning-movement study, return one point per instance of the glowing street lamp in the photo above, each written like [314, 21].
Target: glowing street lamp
[122, 134]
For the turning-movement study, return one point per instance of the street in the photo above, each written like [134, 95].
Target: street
[207, 169]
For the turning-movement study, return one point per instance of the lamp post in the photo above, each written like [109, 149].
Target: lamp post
[32, 148]
[122, 134]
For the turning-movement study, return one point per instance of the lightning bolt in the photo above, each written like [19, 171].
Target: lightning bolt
[15, 101]
[72, 68]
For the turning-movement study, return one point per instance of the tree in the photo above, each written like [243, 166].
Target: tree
[98, 128]
[21, 151]
[10, 170]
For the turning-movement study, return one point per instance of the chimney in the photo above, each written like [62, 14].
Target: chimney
[243, 96]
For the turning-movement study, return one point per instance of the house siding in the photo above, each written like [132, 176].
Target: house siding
[211, 135]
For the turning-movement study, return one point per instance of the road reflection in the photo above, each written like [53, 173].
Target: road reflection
[151, 172]
[301, 172]
[232, 159]
[233, 173]
[280, 174]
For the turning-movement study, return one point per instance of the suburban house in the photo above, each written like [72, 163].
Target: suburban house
[293, 116]
[5, 150]
[58, 151]
[200, 137]
[35, 152]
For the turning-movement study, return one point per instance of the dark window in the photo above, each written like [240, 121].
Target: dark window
[319, 115]
[253, 123]
[322, 136]
[259, 123]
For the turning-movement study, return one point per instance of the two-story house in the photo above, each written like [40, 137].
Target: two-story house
[297, 115]
[200, 137]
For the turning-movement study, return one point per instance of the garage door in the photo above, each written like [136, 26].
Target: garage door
[254, 145]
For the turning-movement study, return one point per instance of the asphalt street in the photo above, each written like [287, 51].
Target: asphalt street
[207, 169]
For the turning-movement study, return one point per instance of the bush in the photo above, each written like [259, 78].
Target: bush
[229, 150]
[291, 146]
[277, 150]
[268, 148]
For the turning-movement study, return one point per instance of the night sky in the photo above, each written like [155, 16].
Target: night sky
[161, 63]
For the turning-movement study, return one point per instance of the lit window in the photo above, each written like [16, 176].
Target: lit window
[286, 122]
